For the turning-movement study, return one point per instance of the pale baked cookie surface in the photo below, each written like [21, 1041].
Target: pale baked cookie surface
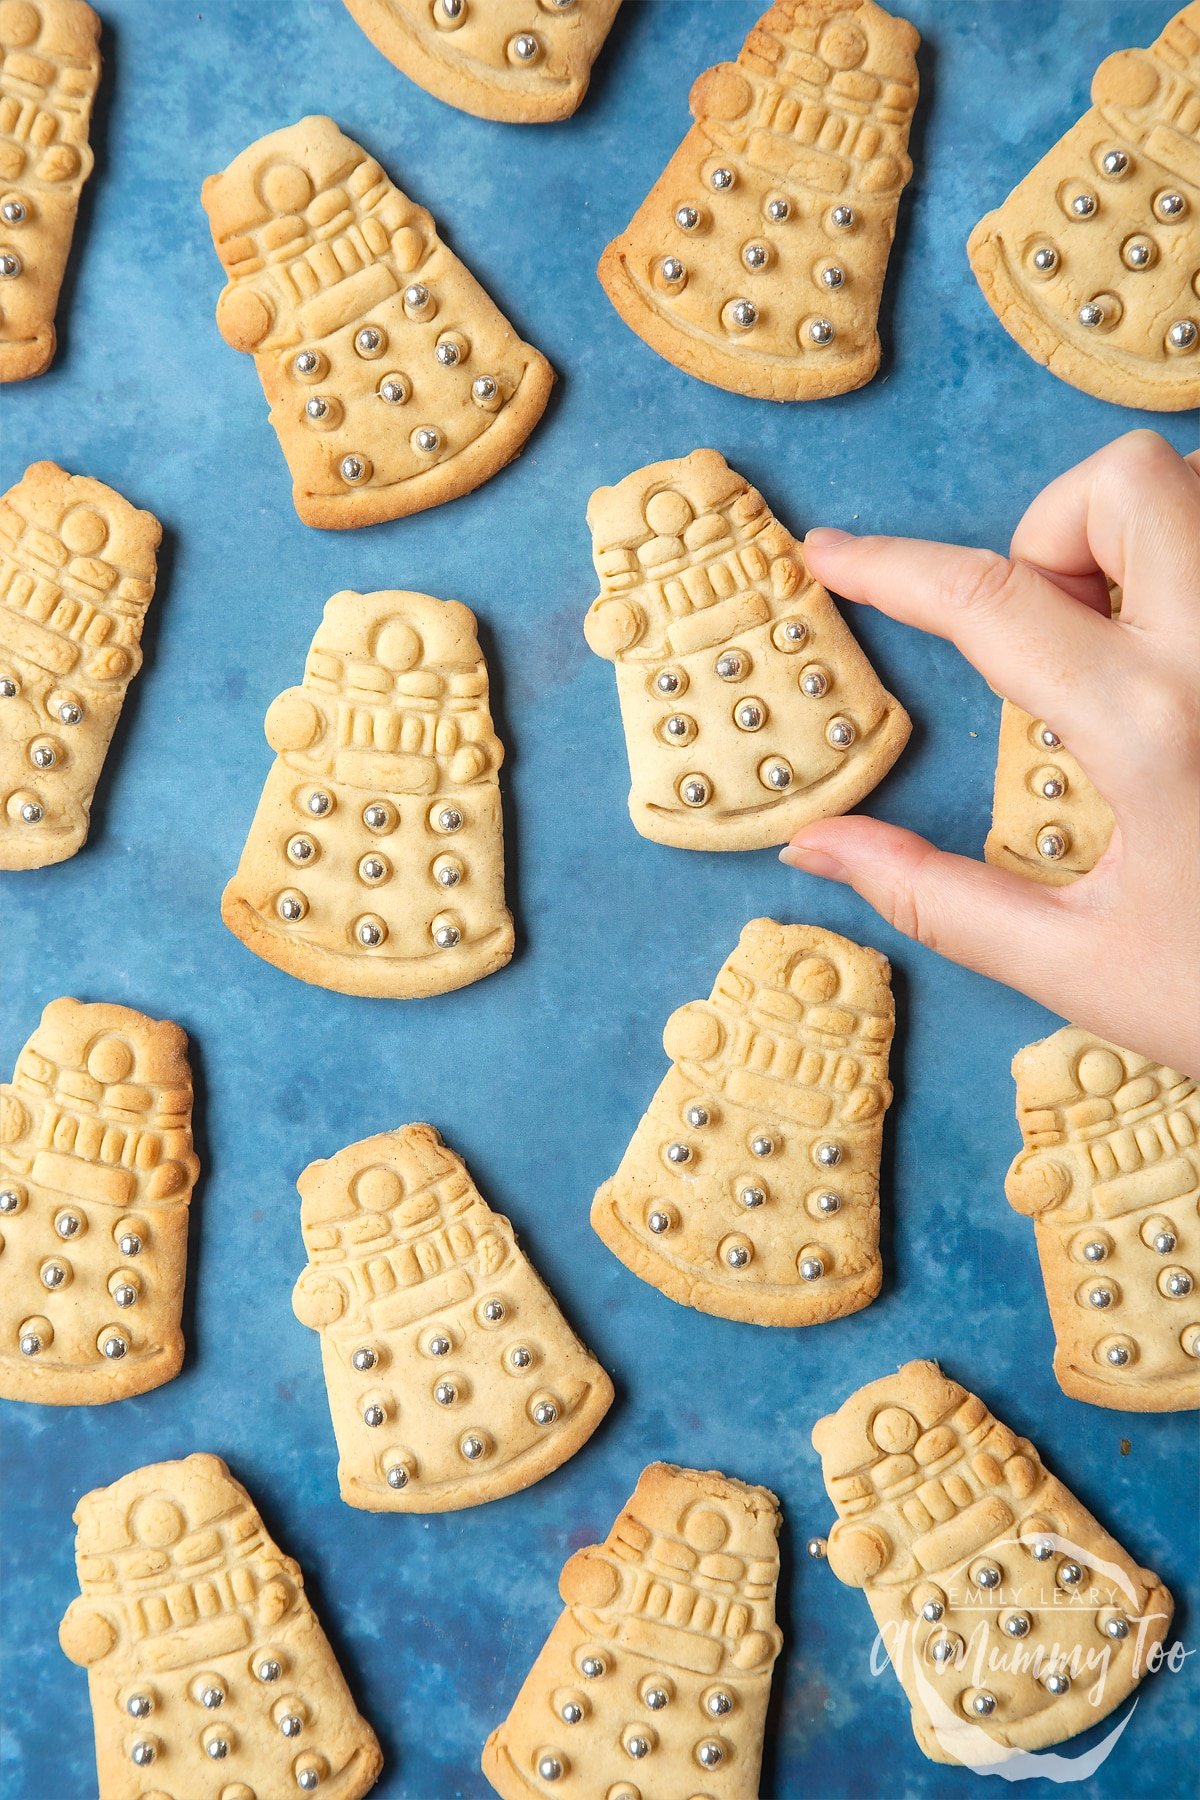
[756, 262]
[452, 1376]
[523, 61]
[394, 380]
[49, 71]
[750, 1189]
[1093, 262]
[1110, 1174]
[1012, 1618]
[749, 708]
[1048, 821]
[656, 1677]
[375, 860]
[77, 570]
[96, 1173]
[209, 1675]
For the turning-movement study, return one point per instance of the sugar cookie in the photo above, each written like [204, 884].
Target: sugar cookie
[750, 1188]
[209, 1674]
[1093, 262]
[1048, 821]
[49, 72]
[1110, 1174]
[394, 381]
[756, 261]
[77, 571]
[375, 862]
[524, 61]
[655, 1680]
[452, 1376]
[1012, 1618]
[96, 1172]
[749, 709]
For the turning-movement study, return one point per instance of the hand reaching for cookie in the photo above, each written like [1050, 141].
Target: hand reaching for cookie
[1118, 950]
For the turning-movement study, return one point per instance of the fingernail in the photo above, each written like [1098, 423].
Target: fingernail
[813, 862]
[824, 537]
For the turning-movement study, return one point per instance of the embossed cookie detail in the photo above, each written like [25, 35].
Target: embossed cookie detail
[452, 1376]
[525, 61]
[751, 1187]
[394, 380]
[96, 1172]
[1048, 821]
[757, 260]
[749, 709]
[49, 71]
[1093, 262]
[1110, 1174]
[655, 1679]
[375, 862]
[1011, 1617]
[208, 1671]
[77, 572]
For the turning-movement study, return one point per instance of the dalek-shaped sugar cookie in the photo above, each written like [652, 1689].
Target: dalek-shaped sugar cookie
[209, 1675]
[96, 1173]
[1011, 1617]
[757, 260]
[750, 1189]
[49, 72]
[1110, 1174]
[748, 707]
[655, 1680]
[452, 1376]
[394, 380]
[1048, 821]
[375, 861]
[77, 572]
[1093, 262]
[527, 62]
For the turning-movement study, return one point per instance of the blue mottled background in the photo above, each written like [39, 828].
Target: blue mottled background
[538, 1075]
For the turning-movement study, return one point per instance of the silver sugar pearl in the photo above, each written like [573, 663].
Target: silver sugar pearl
[697, 1117]
[762, 1145]
[677, 727]
[988, 1576]
[817, 1548]
[755, 256]
[1116, 1627]
[139, 1706]
[114, 1347]
[43, 757]
[942, 1651]
[829, 1155]
[448, 354]
[744, 314]
[1095, 1251]
[832, 276]
[416, 297]
[439, 1346]
[721, 179]
[843, 217]
[749, 715]
[1084, 205]
[319, 804]
[1045, 259]
[306, 363]
[520, 1357]
[1115, 163]
[9, 687]
[449, 819]
[719, 1704]
[814, 683]
[709, 1754]
[695, 791]
[779, 776]
[317, 407]
[212, 1697]
[687, 218]
[32, 813]
[484, 388]
[1138, 254]
[811, 1268]
[372, 869]
[1117, 1355]
[932, 1611]
[393, 391]
[142, 1754]
[667, 682]
[70, 712]
[1091, 315]
[493, 1311]
[828, 1203]
[1178, 1284]
[445, 1393]
[290, 1725]
[731, 666]
[31, 1344]
[1164, 1242]
[983, 1704]
[1050, 739]
[364, 1359]
[737, 1256]
[1182, 334]
[373, 1417]
[1053, 788]
[1052, 845]
[397, 1477]
[1100, 1297]
[1041, 1550]
[778, 211]
[217, 1748]
[821, 332]
[10, 265]
[1057, 1684]
[369, 340]
[307, 1780]
[570, 1712]
[525, 46]
[841, 734]
[593, 1667]
[129, 1244]
[67, 1224]
[672, 270]
[268, 1669]
[1170, 206]
[291, 908]
[1017, 1625]
[549, 1768]
[658, 1222]
[446, 936]
[428, 440]
[353, 469]
[448, 876]
[678, 1153]
[656, 1698]
[545, 1413]
[376, 818]
[752, 1197]
[369, 935]
[10, 1200]
[637, 1747]
[13, 212]
[124, 1295]
[1070, 1574]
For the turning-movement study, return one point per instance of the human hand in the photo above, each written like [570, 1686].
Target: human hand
[1117, 951]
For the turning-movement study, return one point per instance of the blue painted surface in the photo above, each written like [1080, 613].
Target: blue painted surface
[538, 1075]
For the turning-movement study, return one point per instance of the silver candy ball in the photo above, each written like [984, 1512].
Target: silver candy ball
[1117, 1355]
[373, 1416]
[1095, 1251]
[795, 631]
[1045, 259]
[677, 727]
[1054, 787]
[393, 390]
[779, 776]
[1116, 1627]
[372, 869]
[678, 1153]
[737, 1256]
[1084, 205]
[217, 1748]
[1091, 314]
[983, 1704]
[114, 1347]
[744, 314]
[709, 1754]
[1041, 1550]
[439, 1346]
[1115, 163]
[593, 1667]
[756, 256]
[667, 682]
[10, 1200]
[1138, 254]
[695, 791]
[817, 1548]
[291, 907]
[1070, 1574]
[843, 217]
[519, 1357]
[811, 1268]
[70, 712]
[672, 270]
[448, 876]
[307, 1780]
[1100, 1298]
[317, 407]
[364, 1359]
[762, 1145]
[778, 211]
[1052, 845]
[751, 1197]
[828, 1203]
[656, 1698]
[353, 469]
[484, 388]
[829, 1155]
[1018, 1624]
[832, 276]
[814, 683]
[1164, 1242]
[139, 1706]
[268, 1669]
[53, 1276]
[545, 1413]
[369, 340]
[525, 47]
[697, 1117]
[369, 935]
[1058, 1684]
[1182, 334]
[43, 757]
[1170, 206]
[31, 1344]
[570, 1712]
[445, 1393]
[841, 734]
[9, 687]
[290, 1725]
[376, 818]
[69, 1225]
[637, 1747]
[448, 354]
[446, 936]
[721, 179]
[1050, 739]
[449, 819]
[493, 1311]
[932, 1611]
[943, 1651]
[821, 332]
[32, 813]
[416, 297]
[1178, 1284]
[10, 265]
[397, 1477]
[307, 362]
[988, 1577]
[731, 665]
[129, 1244]
[125, 1295]
[13, 212]
[319, 803]
[428, 440]
[142, 1754]
[687, 218]
[658, 1222]
[549, 1768]
[750, 716]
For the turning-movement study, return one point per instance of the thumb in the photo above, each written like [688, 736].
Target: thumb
[988, 919]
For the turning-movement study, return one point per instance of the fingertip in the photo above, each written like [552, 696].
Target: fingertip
[811, 861]
[825, 537]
